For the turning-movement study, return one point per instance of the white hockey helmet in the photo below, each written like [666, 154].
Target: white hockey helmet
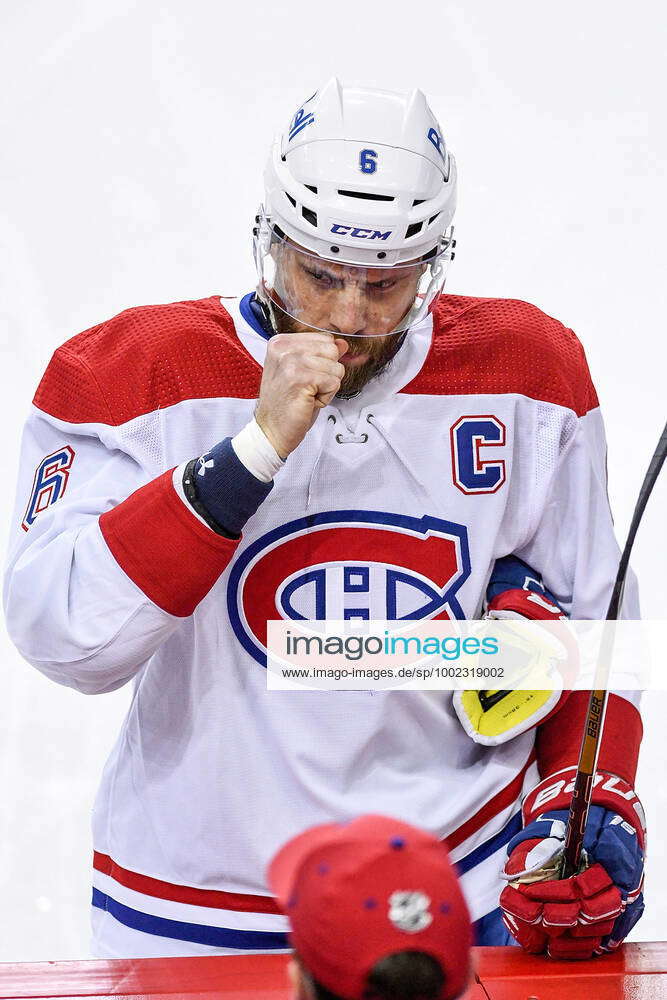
[361, 178]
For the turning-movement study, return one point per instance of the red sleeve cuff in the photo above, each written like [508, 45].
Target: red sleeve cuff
[559, 738]
[170, 555]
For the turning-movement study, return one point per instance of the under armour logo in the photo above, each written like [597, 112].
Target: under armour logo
[409, 911]
[204, 464]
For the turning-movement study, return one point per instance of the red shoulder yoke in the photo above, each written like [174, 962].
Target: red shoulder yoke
[497, 346]
[145, 359]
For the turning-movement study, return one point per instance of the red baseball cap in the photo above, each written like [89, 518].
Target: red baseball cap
[357, 892]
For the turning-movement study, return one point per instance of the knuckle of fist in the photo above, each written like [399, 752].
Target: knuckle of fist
[275, 346]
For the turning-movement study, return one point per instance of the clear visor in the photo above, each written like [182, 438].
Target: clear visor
[303, 290]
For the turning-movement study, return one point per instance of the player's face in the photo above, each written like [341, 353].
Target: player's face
[345, 299]
[362, 305]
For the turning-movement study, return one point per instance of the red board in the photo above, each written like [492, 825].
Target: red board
[635, 972]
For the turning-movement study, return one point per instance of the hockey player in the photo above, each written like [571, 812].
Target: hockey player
[345, 442]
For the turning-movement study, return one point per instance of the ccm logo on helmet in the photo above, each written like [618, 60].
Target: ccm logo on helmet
[359, 233]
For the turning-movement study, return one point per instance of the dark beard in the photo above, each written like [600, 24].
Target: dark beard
[382, 351]
[355, 379]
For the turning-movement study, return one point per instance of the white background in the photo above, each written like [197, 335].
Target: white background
[132, 143]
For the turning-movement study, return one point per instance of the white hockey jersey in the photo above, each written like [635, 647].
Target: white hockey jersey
[483, 438]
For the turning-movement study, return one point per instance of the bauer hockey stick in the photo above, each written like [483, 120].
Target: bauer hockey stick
[597, 705]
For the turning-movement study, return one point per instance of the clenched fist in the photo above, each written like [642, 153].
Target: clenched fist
[302, 374]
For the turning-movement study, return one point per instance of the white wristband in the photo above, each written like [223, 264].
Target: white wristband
[254, 449]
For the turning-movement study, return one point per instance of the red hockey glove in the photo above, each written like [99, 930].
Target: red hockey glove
[593, 911]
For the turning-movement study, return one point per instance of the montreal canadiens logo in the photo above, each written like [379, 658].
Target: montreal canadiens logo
[347, 565]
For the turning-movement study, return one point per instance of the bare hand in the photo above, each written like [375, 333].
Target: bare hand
[302, 374]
